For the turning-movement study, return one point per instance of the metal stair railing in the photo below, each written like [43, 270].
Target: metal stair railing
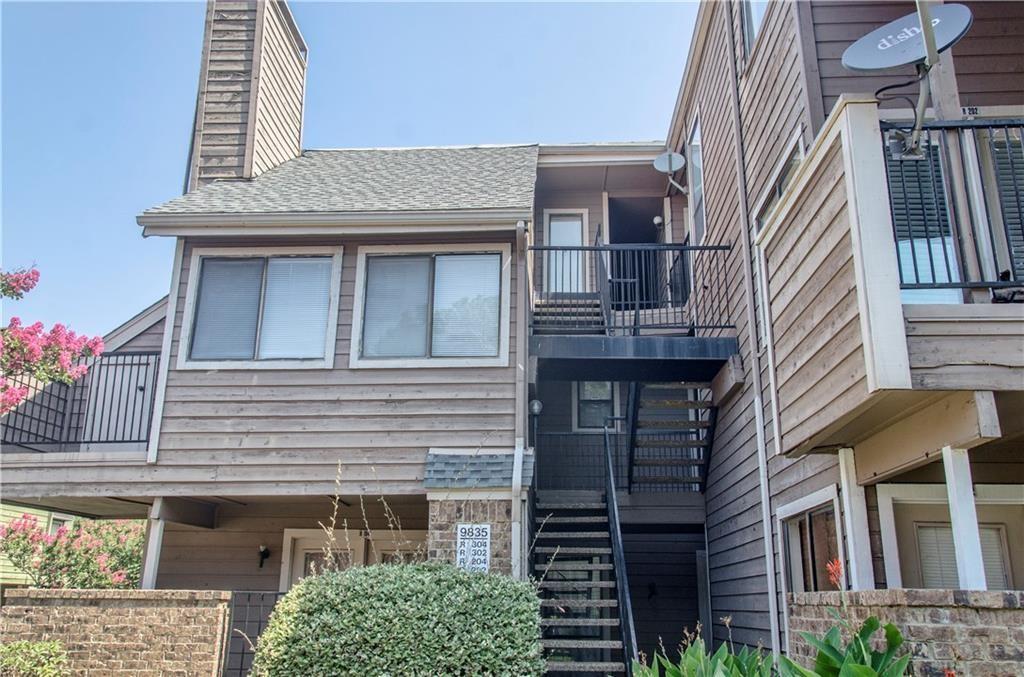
[627, 629]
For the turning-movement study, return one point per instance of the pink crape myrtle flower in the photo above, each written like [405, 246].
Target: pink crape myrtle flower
[16, 284]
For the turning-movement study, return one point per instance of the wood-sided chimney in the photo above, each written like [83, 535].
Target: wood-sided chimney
[252, 83]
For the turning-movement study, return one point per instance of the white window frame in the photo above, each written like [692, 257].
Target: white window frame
[691, 208]
[788, 535]
[185, 362]
[928, 494]
[576, 409]
[584, 215]
[356, 361]
[360, 541]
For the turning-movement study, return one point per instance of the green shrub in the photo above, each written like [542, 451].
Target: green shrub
[695, 661]
[409, 619]
[33, 659]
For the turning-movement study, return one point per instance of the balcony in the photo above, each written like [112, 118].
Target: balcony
[108, 409]
[631, 311]
[956, 211]
[889, 280]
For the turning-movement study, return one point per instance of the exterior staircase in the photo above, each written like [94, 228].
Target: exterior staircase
[672, 437]
[572, 560]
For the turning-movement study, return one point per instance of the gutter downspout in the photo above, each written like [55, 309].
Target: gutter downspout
[520, 403]
[748, 288]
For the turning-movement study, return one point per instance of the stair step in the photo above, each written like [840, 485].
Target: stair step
[666, 479]
[575, 585]
[572, 506]
[573, 666]
[656, 462]
[573, 534]
[672, 404]
[584, 519]
[648, 443]
[670, 387]
[660, 426]
[544, 550]
[569, 565]
[579, 603]
[565, 622]
[581, 643]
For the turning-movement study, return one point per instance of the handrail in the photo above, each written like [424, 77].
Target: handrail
[632, 409]
[604, 285]
[654, 246]
[627, 629]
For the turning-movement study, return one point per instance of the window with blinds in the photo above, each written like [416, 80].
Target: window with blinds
[938, 556]
[434, 305]
[262, 308]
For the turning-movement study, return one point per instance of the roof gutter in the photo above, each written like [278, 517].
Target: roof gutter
[331, 223]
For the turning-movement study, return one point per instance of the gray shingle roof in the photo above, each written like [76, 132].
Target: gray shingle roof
[375, 180]
[473, 471]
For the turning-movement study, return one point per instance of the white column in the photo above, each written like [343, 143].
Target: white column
[855, 524]
[964, 517]
[154, 541]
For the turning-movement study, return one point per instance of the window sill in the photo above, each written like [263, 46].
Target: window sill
[427, 362]
[249, 365]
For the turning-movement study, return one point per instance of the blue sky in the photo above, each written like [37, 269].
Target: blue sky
[97, 104]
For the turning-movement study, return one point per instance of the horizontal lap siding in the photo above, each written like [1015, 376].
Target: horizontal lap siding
[736, 563]
[151, 339]
[278, 122]
[819, 357]
[988, 61]
[226, 557]
[953, 351]
[289, 425]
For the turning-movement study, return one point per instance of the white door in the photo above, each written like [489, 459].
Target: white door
[305, 553]
[565, 271]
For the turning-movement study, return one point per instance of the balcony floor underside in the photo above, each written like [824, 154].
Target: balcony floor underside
[629, 358]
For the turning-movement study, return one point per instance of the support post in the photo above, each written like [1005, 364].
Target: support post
[964, 519]
[154, 542]
[855, 524]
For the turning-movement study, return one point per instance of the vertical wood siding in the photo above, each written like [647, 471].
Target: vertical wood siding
[989, 60]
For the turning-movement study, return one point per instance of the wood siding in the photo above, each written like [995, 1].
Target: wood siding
[149, 340]
[989, 60]
[225, 558]
[282, 76]
[966, 347]
[819, 352]
[251, 84]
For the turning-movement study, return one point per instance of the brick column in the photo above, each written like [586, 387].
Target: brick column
[447, 513]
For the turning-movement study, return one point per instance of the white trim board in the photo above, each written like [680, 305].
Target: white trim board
[928, 494]
[165, 353]
[185, 363]
[505, 308]
[821, 497]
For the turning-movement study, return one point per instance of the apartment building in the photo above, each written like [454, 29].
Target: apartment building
[672, 406]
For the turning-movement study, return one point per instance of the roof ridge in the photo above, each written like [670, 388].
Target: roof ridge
[452, 147]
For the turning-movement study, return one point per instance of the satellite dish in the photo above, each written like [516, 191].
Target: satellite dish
[899, 43]
[669, 163]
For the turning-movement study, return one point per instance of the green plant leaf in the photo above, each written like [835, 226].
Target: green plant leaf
[851, 669]
[788, 668]
[897, 669]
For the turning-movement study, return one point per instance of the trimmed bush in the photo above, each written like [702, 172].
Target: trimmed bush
[33, 659]
[408, 619]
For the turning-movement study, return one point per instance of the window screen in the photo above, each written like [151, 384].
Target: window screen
[753, 17]
[818, 545]
[594, 403]
[444, 305]
[938, 556]
[228, 309]
[262, 308]
[695, 171]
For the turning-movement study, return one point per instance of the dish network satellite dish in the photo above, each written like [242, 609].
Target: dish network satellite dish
[669, 163]
[915, 39]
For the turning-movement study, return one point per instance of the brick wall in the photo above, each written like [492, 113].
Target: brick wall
[124, 632]
[973, 633]
[446, 515]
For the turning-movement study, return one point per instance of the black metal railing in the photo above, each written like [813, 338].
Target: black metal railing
[111, 404]
[622, 289]
[946, 244]
[571, 461]
[250, 613]
[627, 628]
